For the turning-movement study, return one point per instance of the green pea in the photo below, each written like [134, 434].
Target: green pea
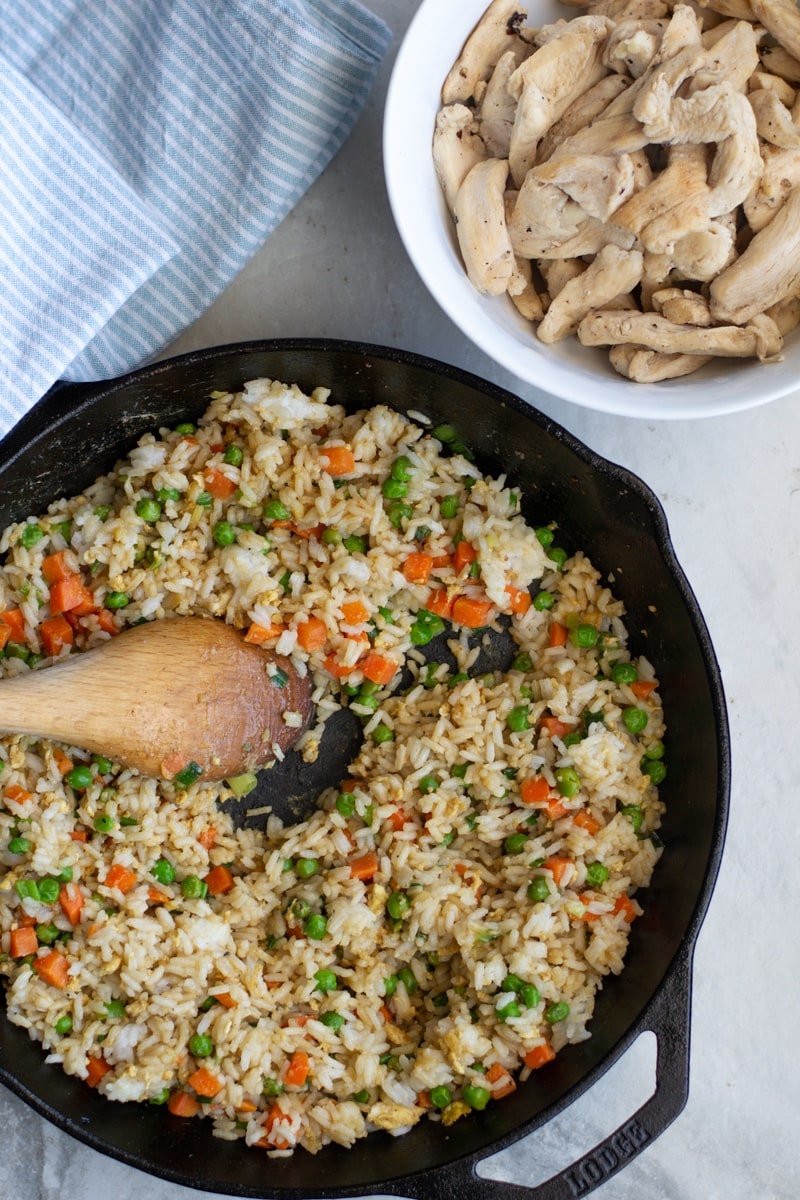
[271, 1087]
[624, 672]
[515, 844]
[545, 536]
[390, 986]
[63, 1025]
[209, 1003]
[274, 510]
[333, 1020]
[402, 468]
[426, 627]
[115, 600]
[394, 489]
[518, 719]
[529, 995]
[160, 1097]
[194, 888]
[189, 775]
[567, 781]
[656, 750]
[355, 544]
[408, 979]
[301, 908]
[104, 823]
[397, 512]
[634, 719]
[65, 876]
[538, 889]
[634, 814]
[655, 769]
[475, 1096]
[428, 783]
[445, 433]
[511, 983]
[556, 1012]
[168, 493]
[27, 889]
[382, 733]
[596, 874]
[315, 927]
[223, 533]
[233, 455]
[149, 509]
[79, 777]
[583, 636]
[19, 845]
[522, 662]
[557, 555]
[48, 890]
[186, 428]
[346, 804]
[440, 1096]
[103, 765]
[331, 537]
[543, 600]
[163, 871]
[115, 1009]
[48, 933]
[459, 771]
[362, 1097]
[449, 506]
[326, 981]
[17, 650]
[30, 535]
[204, 500]
[201, 1045]
[398, 906]
[306, 867]
[509, 1011]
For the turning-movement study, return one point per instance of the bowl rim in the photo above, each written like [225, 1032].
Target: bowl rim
[430, 46]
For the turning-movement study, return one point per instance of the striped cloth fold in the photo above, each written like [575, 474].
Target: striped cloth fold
[147, 150]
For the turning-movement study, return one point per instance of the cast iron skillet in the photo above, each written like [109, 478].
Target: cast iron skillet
[77, 432]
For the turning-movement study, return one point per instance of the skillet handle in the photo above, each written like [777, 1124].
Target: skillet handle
[668, 1017]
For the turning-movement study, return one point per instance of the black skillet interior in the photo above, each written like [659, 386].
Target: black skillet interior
[78, 432]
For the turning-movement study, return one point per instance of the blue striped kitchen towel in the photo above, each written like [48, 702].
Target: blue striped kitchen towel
[147, 149]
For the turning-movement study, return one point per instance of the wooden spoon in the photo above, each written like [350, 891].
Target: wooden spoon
[164, 695]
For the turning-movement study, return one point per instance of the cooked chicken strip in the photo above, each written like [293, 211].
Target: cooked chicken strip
[545, 85]
[780, 62]
[523, 294]
[755, 340]
[702, 255]
[547, 223]
[782, 19]
[457, 147]
[773, 119]
[786, 314]
[681, 306]
[498, 107]
[740, 9]
[622, 10]
[632, 46]
[613, 271]
[557, 272]
[779, 177]
[582, 112]
[767, 272]
[731, 57]
[481, 227]
[774, 83]
[650, 366]
[598, 184]
[674, 204]
[497, 31]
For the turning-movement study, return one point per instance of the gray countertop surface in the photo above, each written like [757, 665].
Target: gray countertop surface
[730, 487]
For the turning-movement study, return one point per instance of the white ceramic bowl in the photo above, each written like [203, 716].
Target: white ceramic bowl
[568, 370]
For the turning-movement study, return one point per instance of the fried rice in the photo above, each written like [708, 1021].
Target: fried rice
[441, 925]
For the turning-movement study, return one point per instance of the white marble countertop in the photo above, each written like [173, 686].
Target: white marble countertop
[731, 490]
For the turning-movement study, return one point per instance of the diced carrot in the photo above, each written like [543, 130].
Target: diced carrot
[207, 837]
[18, 794]
[424, 1099]
[53, 968]
[386, 1014]
[56, 567]
[220, 485]
[70, 595]
[464, 555]
[337, 669]
[172, 764]
[23, 942]
[365, 866]
[440, 602]
[337, 460]
[625, 906]
[643, 687]
[120, 877]
[539, 1055]
[15, 622]
[297, 1071]
[107, 621]
[96, 1069]
[348, 785]
[312, 634]
[534, 790]
[204, 1083]
[181, 1104]
[354, 612]
[555, 808]
[225, 999]
[587, 916]
[62, 761]
[154, 896]
[469, 611]
[246, 1106]
[257, 634]
[268, 1141]
[584, 820]
[5, 634]
[190, 439]
[56, 633]
[558, 634]
[442, 560]
[217, 447]
[70, 898]
[79, 835]
[417, 568]
[397, 820]
[557, 867]
[307, 531]
[377, 668]
[554, 726]
[519, 599]
[25, 919]
[219, 880]
[497, 1074]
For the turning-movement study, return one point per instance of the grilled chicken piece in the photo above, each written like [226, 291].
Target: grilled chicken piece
[774, 83]
[557, 272]
[632, 46]
[673, 205]
[598, 184]
[524, 295]
[634, 10]
[766, 273]
[457, 147]
[779, 177]
[498, 30]
[682, 306]
[651, 366]
[545, 85]
[498, 107]
[589, 105]
[481, 226]
[612, 272]
[782, 19]
[778, 61]
[773, 119]
[741, 10]
[702, 255]
[758, 339]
